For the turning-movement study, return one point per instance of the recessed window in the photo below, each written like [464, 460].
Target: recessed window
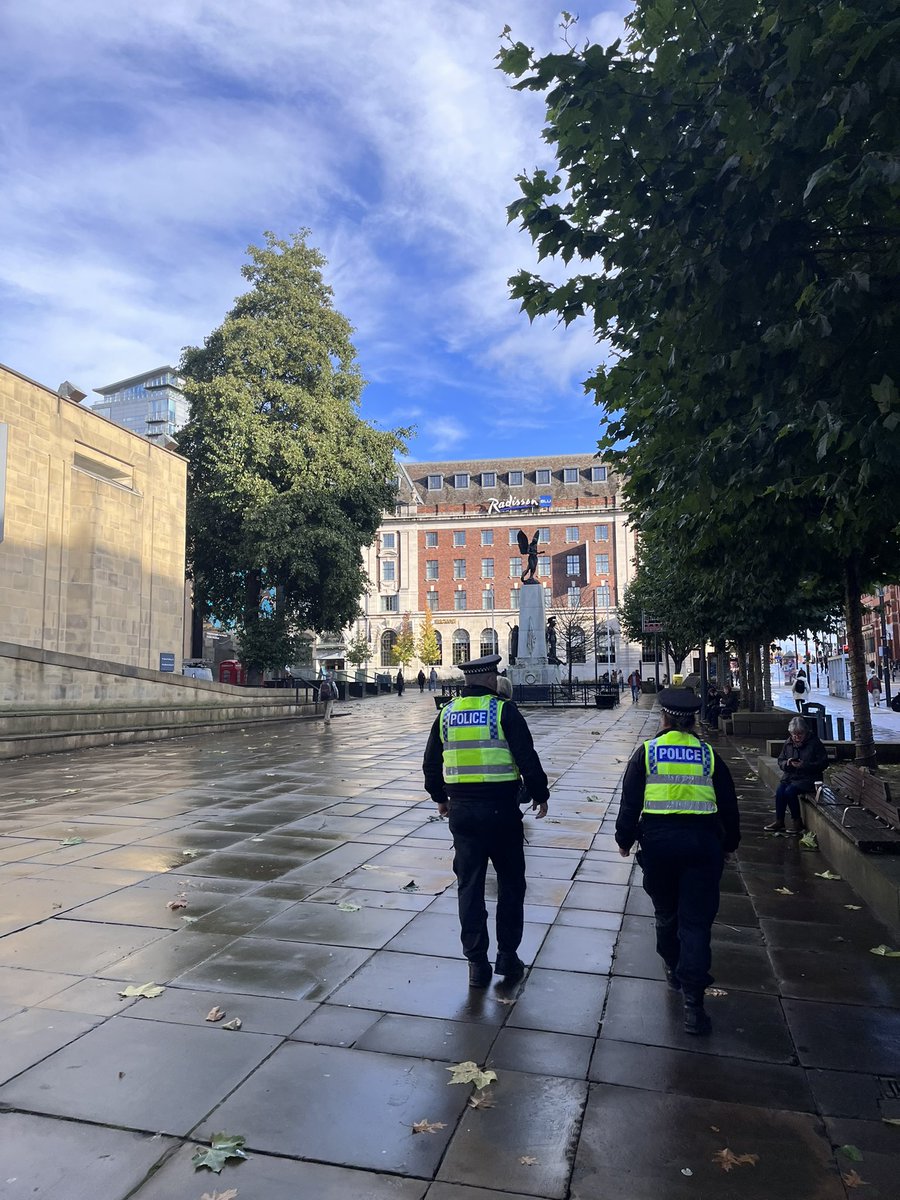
[513, 537]
[389, 541]
[573, 564]
[516, 478]
[542, 475]
[430, 541]
[603, 595]
[390, 603]
[487, 568]
[459, 568]
[543, 535]
[574, 595]
[514, 599]
[488, 478]
[487, 537]
[431, 568]
[459, 603]
[459, 537]
[487, 600]
[389, 571]
[601, 564]
[543, 565]
[598, 474]
[570, 475]
[601, 533]
[435, 483]
[461, 480]
[515, 568]
[103, 466]
[432, 601]
[571, 533]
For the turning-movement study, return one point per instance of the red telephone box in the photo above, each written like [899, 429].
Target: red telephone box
[231, 671]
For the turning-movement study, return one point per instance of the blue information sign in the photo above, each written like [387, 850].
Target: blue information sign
[167, 662]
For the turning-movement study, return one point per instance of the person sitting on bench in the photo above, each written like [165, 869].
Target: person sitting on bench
[802, 760]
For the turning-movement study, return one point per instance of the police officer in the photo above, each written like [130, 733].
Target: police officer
[478, 753]
[679, 803]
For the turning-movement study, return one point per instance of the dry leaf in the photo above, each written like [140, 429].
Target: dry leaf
[481, 1100]
[180, 902]
[852, 1180]
[726, 1159]
[412, 886]
[686, 1171]
[826, 875]
[784, 891]
[527, 1161]
[146, 991]
[190, 853]
[891, 1121]
[346, 906]
[234, 1024]
[504, 999]
[215, 1014]
[714, 1128]
[852, 1152]
[229, 1195]
[853, 907]
[715, 992]
[885, 951]
[428, 1126]
[72, 841]
[469, 1072]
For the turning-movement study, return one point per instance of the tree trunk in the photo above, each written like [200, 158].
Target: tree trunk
[252, 589]
[767, 675]
[196, 626]
[864, 739]
[721, 662]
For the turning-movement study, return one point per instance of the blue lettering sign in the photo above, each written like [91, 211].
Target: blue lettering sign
[545, 502]
[468, 718]
[679, 754]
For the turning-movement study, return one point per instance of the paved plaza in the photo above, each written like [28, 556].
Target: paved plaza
[296, 877]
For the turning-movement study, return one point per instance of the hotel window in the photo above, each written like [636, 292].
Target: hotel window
[390, 603]
[573, 564]
[459, 537]
[430, 541]
[388, 642]
[601, 533]
[516, 478]
[435, 483]
[542, 475]
[543, 565]
[574, 594]
[487, 537]
[570, 475]
[514, 599]
[543, 535]
[460, 652]
[459, 601]
[487, 568]
[513, 537]
[488, 478]
[601, 564]
[515, 568]
[389, 541]
[487, 600]
[598, 474]
[431, 568]
[459, 568]
[603, 596]
[461, 480]
[389, 571]
[571, 533]
[431, 600]
[489, 642]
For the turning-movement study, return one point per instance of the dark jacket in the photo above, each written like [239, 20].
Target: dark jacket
[521, 746]
[813, 760]
[629, 821]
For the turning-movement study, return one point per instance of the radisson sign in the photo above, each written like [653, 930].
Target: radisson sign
[513, 504]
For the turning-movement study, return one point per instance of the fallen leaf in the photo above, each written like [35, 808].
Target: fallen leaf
[751, 778]
[505, 999]
[190, 853]
[593, 799]
[412, 886]
[885, 951]
[190, 920]
[809, 841]
[711, 991]
[223, 1146]
[852, 1180]
[215, 1014]
[714, 1128]
[527, 1161]
[180, 902]
[481, 1100]
[428, 1126]
[121, 1074]
[826, 875]
[346, 906]
[146, 991]
[233, 1025]
[229, 1195]
[686, 1171]
[784, 891]
[852, 1152]
[470, 1072]
[73, 841]
[891, 1121]
[853, 907]
[726, 1159]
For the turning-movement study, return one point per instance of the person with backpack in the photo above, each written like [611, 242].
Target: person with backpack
[800, 690]
[873, 687]
[327, 695]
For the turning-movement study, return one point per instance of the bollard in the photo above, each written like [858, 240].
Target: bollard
[840, 729]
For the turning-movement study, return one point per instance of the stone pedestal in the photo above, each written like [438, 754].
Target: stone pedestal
[531, 666]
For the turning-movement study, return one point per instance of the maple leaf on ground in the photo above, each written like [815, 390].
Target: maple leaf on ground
[223, 1146]
[711, 991]
[428, 1126]
[852, 1180]
[528, 1160]
[885, 951]
[481, 1100]
[852, 1152]
[826, 875]
[229, 1195]
[346, 906]
[73, 841]
[784, 891]
[145, 991]
[215, 1014]
[853, 907]
[235, 1023]
[726, 1159]
[179, 902]
[469, 1072]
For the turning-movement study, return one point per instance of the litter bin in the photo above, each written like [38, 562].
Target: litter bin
[818, 718]
[384, 683]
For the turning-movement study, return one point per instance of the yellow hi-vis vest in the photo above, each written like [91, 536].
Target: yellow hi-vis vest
[679, 775]
[475, 750]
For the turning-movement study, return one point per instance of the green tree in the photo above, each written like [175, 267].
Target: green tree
[405, 645]
[286, 482]
[427, 648]
[359, 651]
[729, 184]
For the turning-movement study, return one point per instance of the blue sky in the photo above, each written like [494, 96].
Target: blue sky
[143, 146]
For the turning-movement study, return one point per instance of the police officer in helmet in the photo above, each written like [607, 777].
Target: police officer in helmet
[679, 804]
[479, 753]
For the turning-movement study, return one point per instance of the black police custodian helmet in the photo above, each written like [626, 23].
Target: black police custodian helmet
[480, 666]
[679, 702]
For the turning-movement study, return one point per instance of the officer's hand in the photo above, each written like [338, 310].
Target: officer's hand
[443, 808]
[540, 810]
[624, 853]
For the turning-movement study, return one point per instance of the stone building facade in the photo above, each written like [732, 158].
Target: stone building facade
[450, 546]
[92, 532]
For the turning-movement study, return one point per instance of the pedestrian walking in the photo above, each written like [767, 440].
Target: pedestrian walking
[679, 805]
[432, 680]
[327, 695]
[479, 753]
[420, 680]
[399, 682]
[874, 688]
[634, 682]
[802, 760]
[800, 689]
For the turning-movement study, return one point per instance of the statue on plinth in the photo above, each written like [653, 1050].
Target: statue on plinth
[551, 642]
[531, 549]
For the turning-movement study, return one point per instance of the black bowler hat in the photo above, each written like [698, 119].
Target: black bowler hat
[678, 701]
[481, 666]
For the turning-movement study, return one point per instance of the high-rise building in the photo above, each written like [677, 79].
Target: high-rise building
[152, 404]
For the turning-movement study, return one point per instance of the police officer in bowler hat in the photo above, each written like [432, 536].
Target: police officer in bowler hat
[679, 804]
[479, 752]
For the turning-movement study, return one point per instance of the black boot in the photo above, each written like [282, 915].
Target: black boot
[479, 973]
[672, 979]
[696, 1020]
[510, 966]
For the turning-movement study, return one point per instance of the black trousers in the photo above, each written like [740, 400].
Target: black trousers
[682, 865]
[488, 831]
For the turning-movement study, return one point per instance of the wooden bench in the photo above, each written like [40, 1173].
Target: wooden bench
[850, 784]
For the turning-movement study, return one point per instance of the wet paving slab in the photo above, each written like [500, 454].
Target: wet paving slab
[320, 910]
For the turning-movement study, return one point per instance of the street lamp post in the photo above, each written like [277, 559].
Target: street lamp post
[885, 665]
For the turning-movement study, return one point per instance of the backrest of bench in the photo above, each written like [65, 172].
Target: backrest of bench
[864, 789]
